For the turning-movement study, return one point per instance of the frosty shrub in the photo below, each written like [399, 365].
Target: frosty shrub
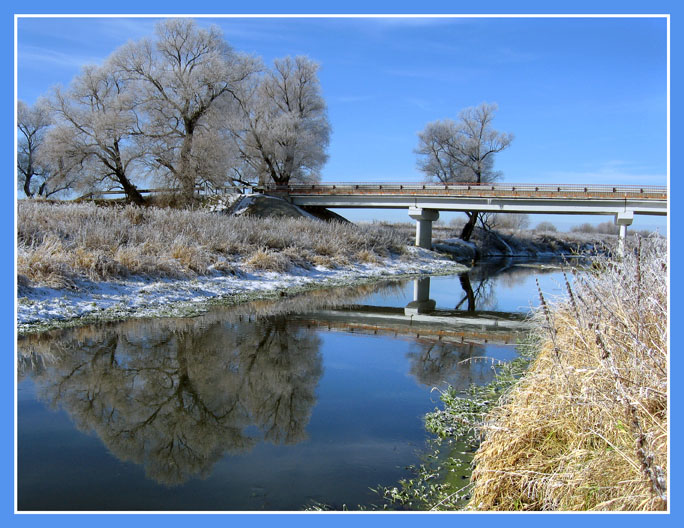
[586, 428]
[60, 242]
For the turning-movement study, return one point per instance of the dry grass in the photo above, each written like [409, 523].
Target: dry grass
[586, 428]
[58, 243]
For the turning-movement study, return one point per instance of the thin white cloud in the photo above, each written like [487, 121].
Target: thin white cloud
[125, 29]
[40, 57]
[345, 99]
[423, 104]
[392, 23]
[455, 74]
[610, 172]
[512, 55]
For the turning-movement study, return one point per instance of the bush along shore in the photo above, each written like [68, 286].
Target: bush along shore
[87, 263]
[585, 427]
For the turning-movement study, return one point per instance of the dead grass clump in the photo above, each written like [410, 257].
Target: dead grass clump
[45, 264]
[223, 266]
[298, 257]
[324, 261]
[97, 265]
[191, 257]
[268, 260]
[144, 260]
[586, 428]
[367, 257]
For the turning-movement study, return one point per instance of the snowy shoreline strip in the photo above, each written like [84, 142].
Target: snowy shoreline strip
[144, 297]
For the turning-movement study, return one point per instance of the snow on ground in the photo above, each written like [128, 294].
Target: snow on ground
[141, 297]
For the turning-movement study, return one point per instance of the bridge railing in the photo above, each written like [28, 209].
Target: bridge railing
[200, 190]
[531, 190]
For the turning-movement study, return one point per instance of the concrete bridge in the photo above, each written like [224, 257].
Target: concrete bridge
[425, 201]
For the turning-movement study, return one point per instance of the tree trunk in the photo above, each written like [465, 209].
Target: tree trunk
[186, 169]
[468, 289]
[468, 228]
[27, 187]
[131, 190]
[27, 179]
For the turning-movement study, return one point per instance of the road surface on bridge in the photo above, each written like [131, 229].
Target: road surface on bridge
[509, 197]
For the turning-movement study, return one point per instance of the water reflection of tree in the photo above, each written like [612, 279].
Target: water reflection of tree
[436, 362]
[479, 298]
[478, 284]
[176, 399]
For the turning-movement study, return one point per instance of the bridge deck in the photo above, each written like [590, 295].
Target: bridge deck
[508, 190]
[499, 198]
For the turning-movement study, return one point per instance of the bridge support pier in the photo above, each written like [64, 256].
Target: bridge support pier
[424, 219]
[421, 298]
[623, 220]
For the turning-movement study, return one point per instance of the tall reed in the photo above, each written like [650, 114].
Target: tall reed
[587, 427]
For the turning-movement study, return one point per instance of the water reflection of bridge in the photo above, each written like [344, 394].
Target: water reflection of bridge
[421, 319]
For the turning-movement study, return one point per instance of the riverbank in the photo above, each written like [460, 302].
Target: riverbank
[586, 426]
[86, 301]
[84, 263]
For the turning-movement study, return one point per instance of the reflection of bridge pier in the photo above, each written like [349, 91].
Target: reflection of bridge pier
[421, 298]
[421, 318]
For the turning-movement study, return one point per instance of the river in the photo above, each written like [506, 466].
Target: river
[265, 406]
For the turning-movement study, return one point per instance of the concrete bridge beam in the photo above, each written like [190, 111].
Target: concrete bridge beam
[622, 220]
[424, 219]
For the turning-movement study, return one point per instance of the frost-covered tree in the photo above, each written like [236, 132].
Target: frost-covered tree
[35, 176]
[462, 151]
[95, 132]
[185, 76]
[282, 131]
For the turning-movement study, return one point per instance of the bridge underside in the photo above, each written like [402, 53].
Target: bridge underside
[426, 209]
[494, 205]
[424, 202]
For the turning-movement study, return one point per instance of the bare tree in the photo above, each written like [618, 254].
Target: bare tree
[184, 76]
[510, 221]
[548, 227]
[462, 151]
[95, 131]
[283, 131]
[36, 177]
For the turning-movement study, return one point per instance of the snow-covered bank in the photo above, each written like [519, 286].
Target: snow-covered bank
[42, 307]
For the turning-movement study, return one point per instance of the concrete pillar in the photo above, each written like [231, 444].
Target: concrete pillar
[421, 298]
[424, 219]
[623, 220]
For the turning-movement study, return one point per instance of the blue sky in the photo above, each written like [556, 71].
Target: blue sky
[586, 98]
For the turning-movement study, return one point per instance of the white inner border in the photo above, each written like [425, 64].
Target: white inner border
[321, 16]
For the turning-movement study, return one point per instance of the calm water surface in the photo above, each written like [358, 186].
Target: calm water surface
[266, 406]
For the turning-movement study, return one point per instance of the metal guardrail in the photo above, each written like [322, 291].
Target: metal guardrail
[521, 190]
[199, 190]
[527, 190]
